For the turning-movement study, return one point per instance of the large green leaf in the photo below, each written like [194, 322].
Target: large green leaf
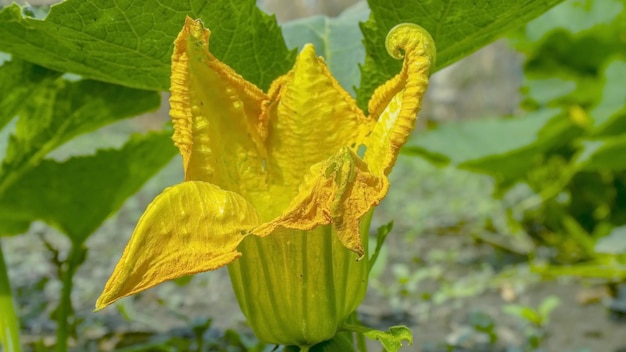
[544, 92]
[458, 27]
[10, 226]
[62, 110]
[574, 16]
[77, 195]
[504, 148]
[337, 39]
[610, 114]
[464, 141]
[19, 80]
[605, 154]
[129, 42]
[553, 43]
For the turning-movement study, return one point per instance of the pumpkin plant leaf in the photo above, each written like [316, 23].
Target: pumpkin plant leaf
[10, 227]
[610, 114]
[19, 81]
[504, 148]
[337, 39]
[76, 195]
[60, 111]
[458, 28]
[604, 154]
[129, 42]
[391, 339]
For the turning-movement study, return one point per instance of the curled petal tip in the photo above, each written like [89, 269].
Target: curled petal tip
[408, 36]
[194, 26]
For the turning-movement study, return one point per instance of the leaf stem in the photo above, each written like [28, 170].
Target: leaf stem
[381, 235]
[9, 322]
[65, 312]
[360, 342]
[361, 345]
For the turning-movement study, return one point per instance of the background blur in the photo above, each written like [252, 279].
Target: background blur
[442, 273]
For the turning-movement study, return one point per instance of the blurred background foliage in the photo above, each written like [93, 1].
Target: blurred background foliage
[563, 158]
[508, 201]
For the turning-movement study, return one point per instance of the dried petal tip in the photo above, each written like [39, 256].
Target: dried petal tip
[405, 36]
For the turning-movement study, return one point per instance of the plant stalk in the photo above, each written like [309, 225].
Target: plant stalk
[65, 311]
[9, 322]
[361, 345]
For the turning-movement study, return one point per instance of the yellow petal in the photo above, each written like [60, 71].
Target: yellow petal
[309, 118]
[340, 190]
[189, 228]
[396, 103]
[215, 113]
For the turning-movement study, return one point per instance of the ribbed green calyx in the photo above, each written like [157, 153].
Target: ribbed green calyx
[299, 287]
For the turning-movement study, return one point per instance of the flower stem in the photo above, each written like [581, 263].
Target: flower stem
[9, 322]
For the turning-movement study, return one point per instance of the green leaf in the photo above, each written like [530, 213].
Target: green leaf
[458, 27]
[77, 195]
[62, 110]
[604, 154]
[544, 91]
[9, 227]
[553, 47]
[574, 16]
[503, 147]
[610, 114]
[19, 81]
[390, 339]
[129, 42]
[546, 307]
[337, 39]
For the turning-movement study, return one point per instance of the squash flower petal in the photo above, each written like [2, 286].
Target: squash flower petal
[309, 117]
[196, 218]
[340, 190]
[215, 113]
[274, 185]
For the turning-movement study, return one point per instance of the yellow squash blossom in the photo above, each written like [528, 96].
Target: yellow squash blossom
[274, 186]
